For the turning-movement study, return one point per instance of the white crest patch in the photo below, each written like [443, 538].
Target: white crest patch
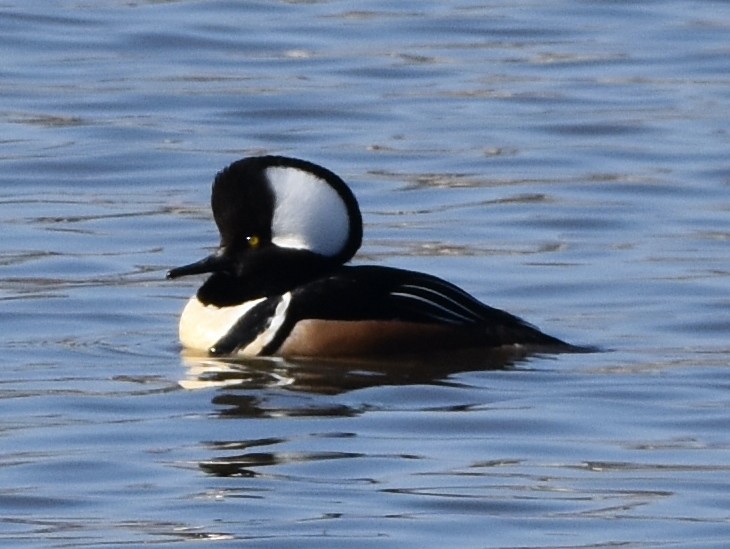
[308, 212]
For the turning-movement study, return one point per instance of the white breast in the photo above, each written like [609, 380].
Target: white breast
[201, 326]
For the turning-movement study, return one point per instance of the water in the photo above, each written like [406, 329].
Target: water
[567, 162]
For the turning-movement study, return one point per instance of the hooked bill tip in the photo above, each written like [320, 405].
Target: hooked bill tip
[210, 264]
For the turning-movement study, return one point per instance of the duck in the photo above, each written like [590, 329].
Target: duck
[280, 283]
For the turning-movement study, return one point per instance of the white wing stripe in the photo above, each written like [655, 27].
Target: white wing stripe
[469, 313]
[451, 315]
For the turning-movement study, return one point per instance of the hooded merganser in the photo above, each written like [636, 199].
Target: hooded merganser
[279, 285]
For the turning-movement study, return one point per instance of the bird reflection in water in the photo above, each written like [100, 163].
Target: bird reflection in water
[261, 388]
[335, 376]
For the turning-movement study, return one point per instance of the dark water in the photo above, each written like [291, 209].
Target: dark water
[567, 162]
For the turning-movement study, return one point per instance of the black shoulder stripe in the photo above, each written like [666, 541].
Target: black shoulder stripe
[248, 328]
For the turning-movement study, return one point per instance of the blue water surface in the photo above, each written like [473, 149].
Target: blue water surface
[566, 161]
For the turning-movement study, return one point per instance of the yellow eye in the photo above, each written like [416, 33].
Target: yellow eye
[253, 241]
